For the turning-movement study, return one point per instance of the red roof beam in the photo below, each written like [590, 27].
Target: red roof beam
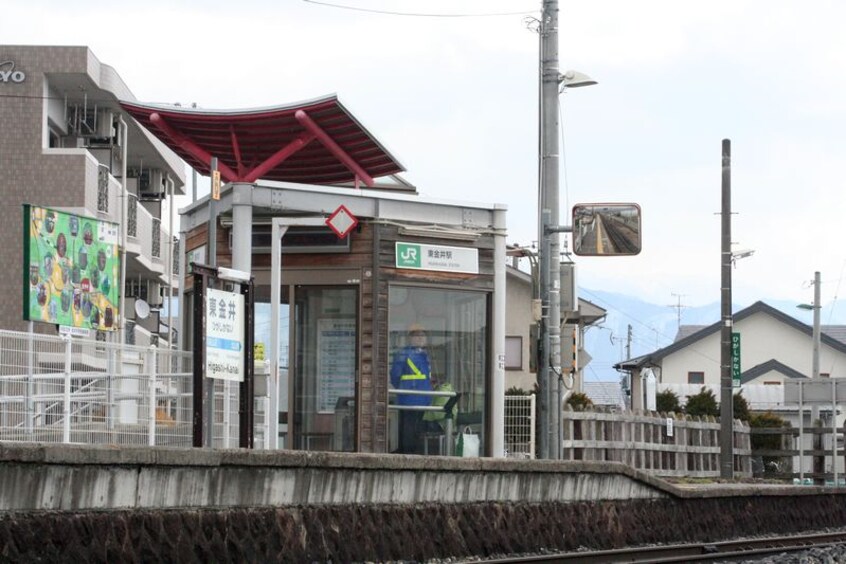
[236, 150]
[190, 147]
[333, 147]
[279, 156]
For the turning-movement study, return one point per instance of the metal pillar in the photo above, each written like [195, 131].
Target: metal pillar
[498, 353]
[549, 364]
[726, 405]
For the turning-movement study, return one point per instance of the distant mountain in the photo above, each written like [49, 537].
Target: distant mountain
[655, 326]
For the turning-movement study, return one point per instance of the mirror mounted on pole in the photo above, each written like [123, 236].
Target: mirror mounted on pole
[606, 229]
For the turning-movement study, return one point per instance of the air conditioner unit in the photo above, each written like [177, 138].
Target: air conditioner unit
[151, 184]
[154, 294]
[105, 125]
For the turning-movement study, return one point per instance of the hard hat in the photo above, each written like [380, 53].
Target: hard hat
[416, 328]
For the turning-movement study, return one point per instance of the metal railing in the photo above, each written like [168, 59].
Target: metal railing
[132, 216]
[156, 235]
[520, 426]
[64, 390]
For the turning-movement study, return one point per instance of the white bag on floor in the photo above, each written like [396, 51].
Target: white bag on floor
[467, 444]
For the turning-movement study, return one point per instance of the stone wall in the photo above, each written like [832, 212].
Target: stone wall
[343, 533]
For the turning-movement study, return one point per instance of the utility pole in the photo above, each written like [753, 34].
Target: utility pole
[549, 364]
[726, 406]
[678, 306]
[815, 357]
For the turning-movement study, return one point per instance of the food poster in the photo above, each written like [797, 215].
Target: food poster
[72, 269]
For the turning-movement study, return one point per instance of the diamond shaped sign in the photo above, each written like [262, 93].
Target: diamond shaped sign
[342, 221]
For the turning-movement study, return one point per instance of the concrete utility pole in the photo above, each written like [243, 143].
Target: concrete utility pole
[815, 358]
[549, 364]
[726, 405]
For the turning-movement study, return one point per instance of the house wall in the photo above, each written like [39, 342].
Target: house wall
[763, 338]
[518, 320]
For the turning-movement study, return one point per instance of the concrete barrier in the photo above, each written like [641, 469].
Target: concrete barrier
[69, 477]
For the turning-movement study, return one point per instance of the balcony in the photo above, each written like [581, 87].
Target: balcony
[88, 188]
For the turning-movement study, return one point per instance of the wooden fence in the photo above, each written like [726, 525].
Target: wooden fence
[671, 445]
[815, 456]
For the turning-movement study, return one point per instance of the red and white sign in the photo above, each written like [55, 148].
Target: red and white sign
[342, 221]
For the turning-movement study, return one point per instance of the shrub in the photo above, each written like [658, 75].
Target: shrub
[515, 391]
[667, 402]
[741, 407]
[579, 401]
[772, 464]
[702, 404]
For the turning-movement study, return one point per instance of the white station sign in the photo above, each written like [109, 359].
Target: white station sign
[224, 335]
[437, 257]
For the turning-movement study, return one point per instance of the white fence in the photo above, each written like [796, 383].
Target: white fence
[520, 426]
[663, 446]
[64, 390]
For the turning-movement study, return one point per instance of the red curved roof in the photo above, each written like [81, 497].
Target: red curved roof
[314, 142]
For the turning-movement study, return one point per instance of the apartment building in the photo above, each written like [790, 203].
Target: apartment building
[66, 145]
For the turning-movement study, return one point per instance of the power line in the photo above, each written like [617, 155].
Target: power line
[418, 14]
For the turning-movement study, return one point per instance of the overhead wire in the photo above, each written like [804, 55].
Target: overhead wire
[418, 14]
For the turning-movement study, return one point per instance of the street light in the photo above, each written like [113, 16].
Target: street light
[574, 79]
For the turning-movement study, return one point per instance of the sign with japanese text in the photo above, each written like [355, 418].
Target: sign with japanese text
[71, 270]
[735, 360]
[224, 335]
[437, 257]
[336, 340]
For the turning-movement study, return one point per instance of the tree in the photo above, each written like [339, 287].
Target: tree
[741, 407]
[667, 402]
[702, 404]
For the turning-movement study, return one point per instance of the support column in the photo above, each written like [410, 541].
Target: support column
[498, 352]
[242, 227]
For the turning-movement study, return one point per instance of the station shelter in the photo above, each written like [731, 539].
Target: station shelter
[345, 306]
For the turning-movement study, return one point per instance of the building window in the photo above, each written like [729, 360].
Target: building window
[695, 377]
[825, 375]
[438, 339]
[514, 353]
[772, 383]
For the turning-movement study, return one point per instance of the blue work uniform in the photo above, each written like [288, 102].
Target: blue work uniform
[411, 371]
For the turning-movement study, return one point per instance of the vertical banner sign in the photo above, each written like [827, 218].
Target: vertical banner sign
[224, 335]
[215, 192]
[735, 360]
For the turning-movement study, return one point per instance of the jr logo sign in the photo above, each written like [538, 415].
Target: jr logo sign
[408, 256]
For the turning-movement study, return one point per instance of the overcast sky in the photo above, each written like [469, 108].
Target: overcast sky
[455, 100]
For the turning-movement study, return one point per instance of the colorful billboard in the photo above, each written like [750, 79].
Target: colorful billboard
[71, 269]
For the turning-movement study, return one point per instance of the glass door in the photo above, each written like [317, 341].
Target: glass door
[325, 370]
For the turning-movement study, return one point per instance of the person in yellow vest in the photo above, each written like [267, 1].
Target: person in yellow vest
[411, 370]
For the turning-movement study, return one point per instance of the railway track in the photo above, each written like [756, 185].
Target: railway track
[724, 551]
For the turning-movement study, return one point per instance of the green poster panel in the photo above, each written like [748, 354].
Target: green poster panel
[71, 269]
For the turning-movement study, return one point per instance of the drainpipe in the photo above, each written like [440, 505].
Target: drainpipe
[123, 215]
[169, 265]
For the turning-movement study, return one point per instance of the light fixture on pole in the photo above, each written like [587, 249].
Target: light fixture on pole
[574, 79]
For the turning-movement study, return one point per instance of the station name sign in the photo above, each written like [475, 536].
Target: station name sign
[9, 74]
[437, 257]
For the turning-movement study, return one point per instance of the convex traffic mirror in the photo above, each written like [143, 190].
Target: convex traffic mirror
[606, 229]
